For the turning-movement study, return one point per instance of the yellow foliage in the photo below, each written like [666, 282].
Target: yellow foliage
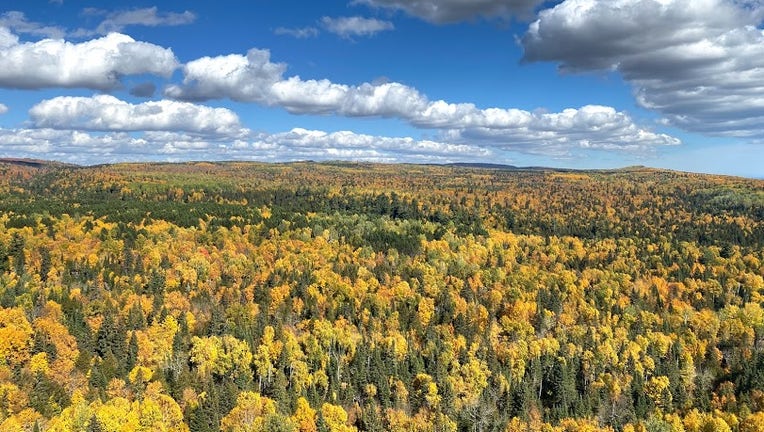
[304, 416]
[469, 381]
[22, 421]
[140, 374]
[657, 389]
[578, 425]
[267, 353]
[62, 367]
[15, 336]
[73, 418]
[427, 390]
[220, 355]
[13, 398]
[159, 412]
[117, 388]
[335, 418]
[483, 308]
[753, 423]
[425, 311]
[39, 363]
[398, 421]
[397, 344]
[155, 342]
[249, 414]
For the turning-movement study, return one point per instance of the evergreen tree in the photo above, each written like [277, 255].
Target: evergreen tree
[94, 425]
[16, 252]
[132, 353]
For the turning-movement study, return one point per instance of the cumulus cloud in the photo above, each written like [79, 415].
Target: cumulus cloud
[104, 125]
[699, 63]
[117, 21]
[298, 144]
[243, 78]
[302, 143]
[299, 33]
[348, 27]
[559, 134]
[3, 109]
[68, 146]
[450, 11]
[255, 78]
[95, 148]
[96, 64]
[366, 100]
[107, 113]
[17, 22]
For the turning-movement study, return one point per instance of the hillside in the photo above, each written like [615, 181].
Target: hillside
[339, 297]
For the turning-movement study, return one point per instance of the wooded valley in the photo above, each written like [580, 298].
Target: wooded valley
[356, 297]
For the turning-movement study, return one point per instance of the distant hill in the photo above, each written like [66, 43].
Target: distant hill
[41, 164]
[33, 163]
[483, 165]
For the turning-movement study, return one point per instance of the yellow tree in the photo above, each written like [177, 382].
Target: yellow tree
[469, 380]
[22, 421]
[254, 412]
[73, 418]
[220, 355]
[15, 336]
[753, 423]
[267, 353]
[62, 366]
[159, 412]
[304, 416]
[335, 418]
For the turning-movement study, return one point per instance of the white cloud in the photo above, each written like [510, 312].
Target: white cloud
[107, 113]
[449, 11]
[149, 17]
[388, 99]
[87, 147]
[304, 142]
[367, 100]
[562, 134]
[68, 146]
[243, 78]
[699, 63]
[297, 144]
[299, 33]
[3, 108]
[311, 96]
[348, 27]
[255, 78]
[97, 64]
[104, 128]
[17, 22]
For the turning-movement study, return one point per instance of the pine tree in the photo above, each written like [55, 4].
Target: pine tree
[132, 353]
[94, 425]
[16, 251]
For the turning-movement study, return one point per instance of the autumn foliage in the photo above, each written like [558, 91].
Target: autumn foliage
[344, 297]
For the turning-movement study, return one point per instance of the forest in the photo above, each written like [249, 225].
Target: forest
[343, 297]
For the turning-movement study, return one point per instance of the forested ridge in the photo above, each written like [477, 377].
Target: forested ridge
[361, 297]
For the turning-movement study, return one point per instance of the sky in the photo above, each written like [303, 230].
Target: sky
[584, 84]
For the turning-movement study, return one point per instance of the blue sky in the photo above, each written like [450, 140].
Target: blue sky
[577, 83]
